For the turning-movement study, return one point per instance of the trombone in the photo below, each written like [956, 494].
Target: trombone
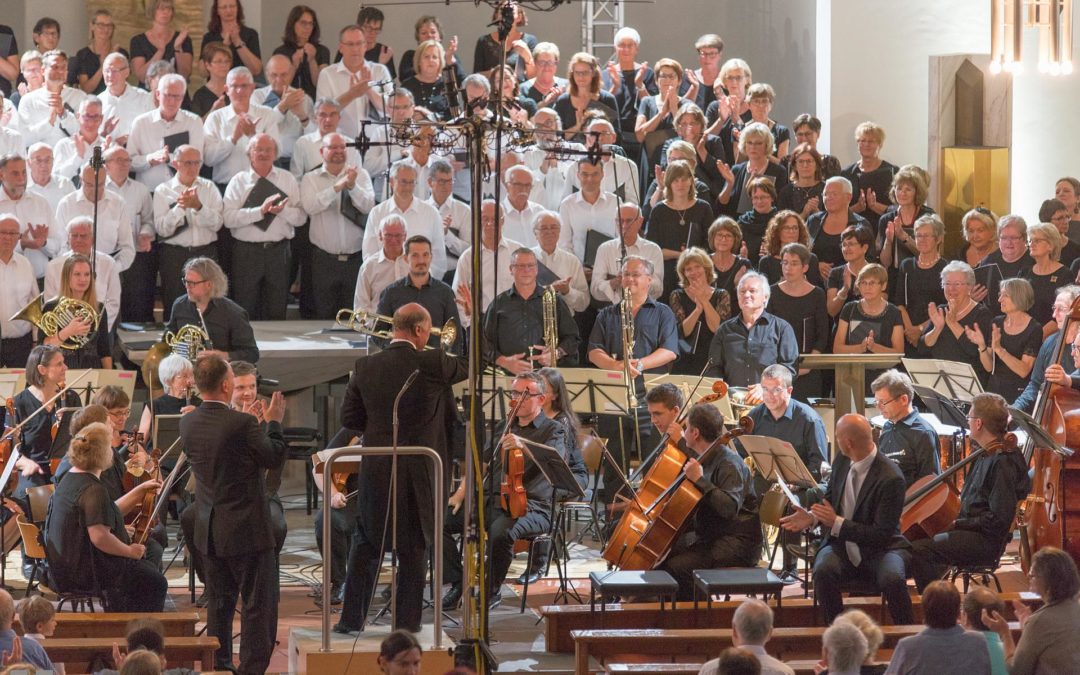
[365, 322]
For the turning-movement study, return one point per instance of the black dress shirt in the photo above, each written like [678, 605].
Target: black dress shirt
[801, 426]
[537, 488]
[513, 324]
[434, 296]
[913, 444]
[226, 322]
[991, 490]
[655, 328]
[739, 355]
[728, 503]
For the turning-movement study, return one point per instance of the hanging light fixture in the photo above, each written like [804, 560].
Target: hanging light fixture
[1053, 21]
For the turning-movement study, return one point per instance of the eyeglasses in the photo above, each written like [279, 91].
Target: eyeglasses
[524, 266]
[774, 391]
[194, 282]
[708, 53]
[882, 404]
[581, 73]
[517, 395]
[120, 414]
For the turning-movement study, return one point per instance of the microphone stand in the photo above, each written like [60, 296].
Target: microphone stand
[96, 163]
[393, 499]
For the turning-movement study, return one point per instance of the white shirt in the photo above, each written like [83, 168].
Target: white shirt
[555, 181]
[420, 218]
[579, 216]
[379, 157]
[56, 189]
[147, 136]
[140, 205]
[607, 265]
[334, 81]
[106, 282]
[67, 161]
[33, 209]
[565, 265]
[242, 220]
[114, 235]
[618, 170]
[203, 225]
[856, 474]
[228, 158]
[20, 287]
[329, 229]
[35, 114]
[307, 155]
[290, 127]
[376, 274]
[493, 284]
[518, 225]
[458, 235]
[422, 191]
[125, 107]
[11, 142]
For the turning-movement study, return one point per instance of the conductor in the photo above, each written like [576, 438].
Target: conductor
[423, 379]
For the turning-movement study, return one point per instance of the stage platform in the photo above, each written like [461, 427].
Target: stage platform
[359, 655]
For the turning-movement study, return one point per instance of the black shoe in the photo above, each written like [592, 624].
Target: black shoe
[529, 578]
[337, 592]
[342, 629]
[452, 598]
[385, 595]
[789, 577]
[494, 600]
[204, 599]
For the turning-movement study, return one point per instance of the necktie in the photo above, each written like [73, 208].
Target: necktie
[847, 510]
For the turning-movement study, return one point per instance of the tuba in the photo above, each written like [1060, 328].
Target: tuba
[365, 322]
[551, 324]
[66, 311]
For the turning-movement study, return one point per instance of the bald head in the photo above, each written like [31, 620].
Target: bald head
[413, 323]
[7, 610]
[854, 436]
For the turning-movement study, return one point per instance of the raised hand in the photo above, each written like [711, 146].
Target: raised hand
[937, 317]
[178, 43]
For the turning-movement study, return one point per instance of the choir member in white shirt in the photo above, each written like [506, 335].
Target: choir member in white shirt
[48, 114]
[20, 288]
[11, 139]
[43, 181]
[156, 134]
[388, 151]
[519, 212]
[140, 278]
[496, 278]
[121, 101]
[544, 158]
[571, 283]
[114, 236]
[605, 285]
[619, 171]
[385, 267]
[294, 106]
[187, 218]
[456, 214]
[41, 239]
[336, 226]
[589, 209]
[356, 84]
[80, 239]
[261, 232]
[420, 217]
[307, 153]
[228, 131]
[72, 153]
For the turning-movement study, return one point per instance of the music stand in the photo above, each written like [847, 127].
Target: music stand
[596, 392]
[9, 385]
[951, 379]
[691, 394]
[1037, 433]
[166, 430]
[774, 457]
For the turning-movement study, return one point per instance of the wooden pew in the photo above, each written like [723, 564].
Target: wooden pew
[561, 620]
[704, 644]
[800, 666]
[102, 625]
[77, 653]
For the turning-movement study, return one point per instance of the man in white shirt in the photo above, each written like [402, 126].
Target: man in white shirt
[71, 153]
[41, 240]
[48, 114]
[121, 101]
[519, 213]
[228, 130]
[589, 209]
[292, 104]
[43, 182]
[383, 268]
[261, 229]
[20, 288]
[751, 627]
[80, 239]
[114, 236]
[388, 152]
[620, 173]
[421, 217]
[496, 279]
[606, 285]
[544, 158]
[456, 214]
[140, 278]
[187, 218]
[307, 153]
[355, 83]
[11, 139]
[571, 283]
[156, 134]
[336, 227]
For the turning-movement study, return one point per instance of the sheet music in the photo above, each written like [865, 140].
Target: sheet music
[787, 491]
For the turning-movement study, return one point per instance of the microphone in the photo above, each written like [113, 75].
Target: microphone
[451, 91]
[95, 160]
[381, 83]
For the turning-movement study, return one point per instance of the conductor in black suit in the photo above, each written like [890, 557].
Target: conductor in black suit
[862, 531]
[425, 416]
[229, 455]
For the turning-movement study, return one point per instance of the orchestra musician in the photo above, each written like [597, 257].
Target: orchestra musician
[860, 514]
[994, 484]
[206, 306]
[177, 377]
[425, 420]
[341, 506]
[665, 402]
[420, 287]
[77, 283]
[726, 531]
[1045, 369]
[45, 373]
[229, 454]
[906, 438]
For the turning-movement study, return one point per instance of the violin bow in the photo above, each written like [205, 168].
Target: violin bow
[15, 429]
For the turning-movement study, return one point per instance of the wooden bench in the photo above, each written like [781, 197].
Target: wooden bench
[561, 620]
[800, 666]
[77, 653]
[704, 644]
[106, 625]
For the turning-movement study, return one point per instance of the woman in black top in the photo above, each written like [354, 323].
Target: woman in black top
[519, 46]
[76, 283]
[86, 542]
[690, 127]
[802, 305]
[161, 42]
[211, 96]
[1056, 213]
[1009, 352]
[226, 25]
[841, 287]
[584, 93]
[918, 281]
[725, 240]
[870, 324]
[699, 308]
[1047, 274]
[679, 222]
[301, 44]
[677, 149]
[944, 337]
[786, 227]
[630, 81]
[871, 176]
[807, 129]
[519, 108]
[802, 194]
[656, 113]
[178, 380]
[557, 406]
[754, 221]
[45, 371]
[427, 82]
[428, 28]
[84, 70]
[761, 97]
[896, 227]
[756, 144]
[826, 226]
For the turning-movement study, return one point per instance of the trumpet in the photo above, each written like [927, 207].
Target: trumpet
[366, 322]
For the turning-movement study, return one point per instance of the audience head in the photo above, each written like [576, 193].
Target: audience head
[7, 610]
[868, 627]
[37, 615]
[400, 652]
[978, 600]
[845, 647]
[1054, 575]
[909, 186]
[735, 661]
[941, 605]
[141, 662]
[752, 623]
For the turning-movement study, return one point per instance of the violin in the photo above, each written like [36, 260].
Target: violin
[512, 495]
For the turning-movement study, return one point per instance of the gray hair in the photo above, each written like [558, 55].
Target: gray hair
[327, 101]
[649, 269]
[171, 366]
[840, 180]
[116, 56]
[627, 32]
[958, 267]
[761, 131]
[239, 71]
[1012, 220]
[209, 270]
[401, 165]
[440, 166]
[777, 372]
[391, 220]
[758, 277]
[89, 101]
[897, 384]
[1020, 292]
[159, 68]
[477, 80]
[79, 221]
[38, 146]
[1072, 291]
[169, 79]
[845, 646]
[753, 619]
[543, 215]
[932, 221]
[518, 168]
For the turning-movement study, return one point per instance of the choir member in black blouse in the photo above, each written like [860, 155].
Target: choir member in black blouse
[1053, 211]
[756, 144]
[301, 44]
[761, 97]
[161, 42]
[45, 371]
[427, 27]
[630, 81]
[226, 25]
[426, 83]
[802, 194]
[699, 308]
[754, 220]
[826, 226]
[690, 127]
[841, 286]
[84, 71]
[584, 93]
[1009, 352]
[871, 176]
[519, 108]
[656, 113]
[1067, 191]
[217, 60]
[725, 240]
[786, 227]
[698, 83]
[678, 222]
[802, 305]
[918, 281]
[735, 78]
[519, 46]
[547, 85]
[870, 324]
[77, 283]
[896, 227]
[980, 229]
[676, 149]
[1047, 274]
[807, 129]
[1009, 251]
[945, 336]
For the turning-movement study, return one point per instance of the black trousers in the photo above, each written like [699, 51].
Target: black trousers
[187, 526]
[502, 534]
[139, 585]
[260, 279]
[333, 281]
[342, 526]
[364, 560]
[300, 268]
[15, 352]
[887, 571]
[171, 264]
[735, 550]
[930, 558]
[623, 433]
[253, 578]
[140, 285]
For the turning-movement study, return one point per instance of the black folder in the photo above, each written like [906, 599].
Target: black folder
[263, 188]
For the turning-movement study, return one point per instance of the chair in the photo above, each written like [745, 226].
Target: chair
[592, 452]
[34, 552]
[39, 497]
[304, 442]
[80, 599]
[984, 571]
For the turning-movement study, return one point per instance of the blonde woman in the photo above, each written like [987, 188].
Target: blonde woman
[756, 144]
[77, 283]
[680, 221]
[870, 176]
[1047, 274]
[699, 307]
[584, 93]
[896, 227]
